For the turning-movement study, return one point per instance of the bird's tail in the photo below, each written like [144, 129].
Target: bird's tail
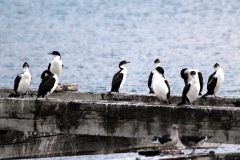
[181, 103]
[107, 95]
[14, 95]
[204, 96]
[155, 139]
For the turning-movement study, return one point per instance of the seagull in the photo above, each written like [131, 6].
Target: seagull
[193, 141]
[22, 82]
[191, 90]
[185, 74]
[119, 78]
[56, 65]
[215, 81]
[48, 84]
[168, 140]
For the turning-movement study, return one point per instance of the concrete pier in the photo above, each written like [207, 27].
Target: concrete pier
[74, 123]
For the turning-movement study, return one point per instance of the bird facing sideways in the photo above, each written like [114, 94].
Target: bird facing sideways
[215, 81]
[161, 86]
[168, 140]
[22, 82]
[191, 90]
[119, 78]
[48, 84]
[56, 65]
[150, 78]
[193, 141]
[185, 74]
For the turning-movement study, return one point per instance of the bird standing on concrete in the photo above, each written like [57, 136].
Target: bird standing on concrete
[168, 140]
[215, 81]
[185, 74]
[160, 85]
[22, 82]
[193, 141]
[56, 65]
[191, 90]
[150, 78]
[48, 84]
[119, 78]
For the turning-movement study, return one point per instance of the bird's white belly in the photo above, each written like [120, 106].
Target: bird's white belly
[24, 84]
[193, 92]
[218, 85]
[56, 67]
[160, 88]
[54, 86]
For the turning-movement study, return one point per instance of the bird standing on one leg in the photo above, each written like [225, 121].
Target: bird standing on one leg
[22, 82]
[215, 81]
[119, 78]
[191, 90]
[48, 84]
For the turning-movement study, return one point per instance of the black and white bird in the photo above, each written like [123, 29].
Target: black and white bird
[215, 81]
[168, 140]
[191, 90]
[157, 64]
[161, 86]
[119, 78]
[193, 142]
[56, 65]
[48, 84]
[185, 74]
[22, 82]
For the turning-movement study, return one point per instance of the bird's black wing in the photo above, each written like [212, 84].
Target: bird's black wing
[49, 65]
[200, 81]
[150, 82]
[16, 82]
[191, 140]
[160, 70]
[185, 91]
[184, 76]
[116, 81]
[165, 138]
[212, 81]
[168, 94]
[46, 85]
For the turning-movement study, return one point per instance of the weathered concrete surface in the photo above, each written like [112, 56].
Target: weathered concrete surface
[120, 119]
[130, 97]
[28, 145]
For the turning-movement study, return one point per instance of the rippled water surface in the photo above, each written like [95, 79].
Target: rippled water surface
[94, 36]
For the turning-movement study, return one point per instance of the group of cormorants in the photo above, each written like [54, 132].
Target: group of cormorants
[49, 78]
[157, 82]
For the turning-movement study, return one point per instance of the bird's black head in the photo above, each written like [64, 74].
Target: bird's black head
[216, 65]
[25, 65]
[45, 74]
[157, 61]
[122, 63]
[192, 73]
[55, 53]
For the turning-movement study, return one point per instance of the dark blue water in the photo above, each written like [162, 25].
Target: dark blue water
[94, 36]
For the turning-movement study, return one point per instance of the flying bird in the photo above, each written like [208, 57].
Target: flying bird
[185, 74]
[215, 81]
[168, 140]
[22, 82]
[191, 90]
[56, 65]
[193, 141]
[48, 84]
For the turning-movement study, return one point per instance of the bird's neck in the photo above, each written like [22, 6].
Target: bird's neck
[57, 57]
[25, 70]
[174, 133]
[157, 64]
